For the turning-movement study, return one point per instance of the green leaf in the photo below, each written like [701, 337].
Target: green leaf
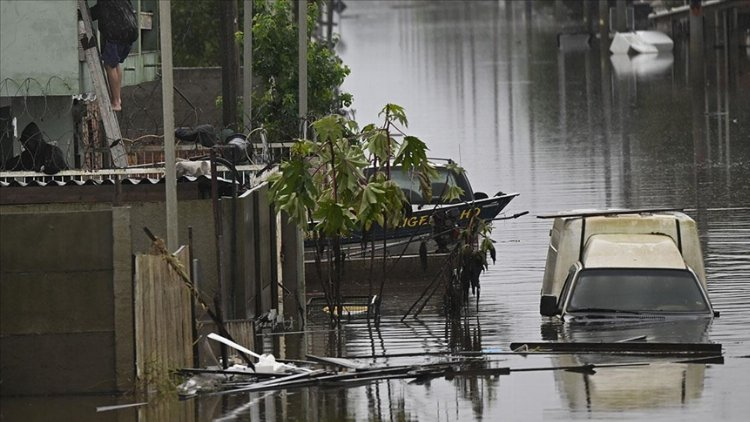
[412, 153]
[452, 193]
[378, 143]
[393, 112]
[329, 128]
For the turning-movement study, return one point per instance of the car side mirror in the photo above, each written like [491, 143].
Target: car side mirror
[548, 305]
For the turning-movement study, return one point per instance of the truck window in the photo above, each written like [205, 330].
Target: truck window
[637, 290]
[566, 286]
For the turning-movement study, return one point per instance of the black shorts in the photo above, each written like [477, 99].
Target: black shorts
[114, 53]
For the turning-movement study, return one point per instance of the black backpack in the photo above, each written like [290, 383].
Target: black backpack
[118, 21]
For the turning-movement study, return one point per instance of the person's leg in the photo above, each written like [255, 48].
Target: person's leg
[112, 56]
[114, 75]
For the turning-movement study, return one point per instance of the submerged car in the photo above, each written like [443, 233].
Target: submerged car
[624, 263]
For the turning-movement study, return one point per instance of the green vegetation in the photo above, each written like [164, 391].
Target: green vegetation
[324, 189]
[195, 33]
[275, 69]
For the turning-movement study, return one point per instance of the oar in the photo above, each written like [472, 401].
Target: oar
[511, 217]
[230, 343]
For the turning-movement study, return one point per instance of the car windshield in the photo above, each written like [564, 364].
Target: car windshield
[637, 290]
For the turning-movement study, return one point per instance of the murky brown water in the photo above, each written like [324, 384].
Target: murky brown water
[484, 86]
[566, 130]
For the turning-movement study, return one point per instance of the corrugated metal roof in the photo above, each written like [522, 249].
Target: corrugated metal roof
[126, 176]
[104, 182]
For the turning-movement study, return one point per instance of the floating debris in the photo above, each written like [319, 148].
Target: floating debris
[269, 374]
[119, 406]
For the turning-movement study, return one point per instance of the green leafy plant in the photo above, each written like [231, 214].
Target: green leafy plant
[276, 73]
[324, 188]
[474, 246]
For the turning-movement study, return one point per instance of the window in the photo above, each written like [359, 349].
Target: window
[409, 183]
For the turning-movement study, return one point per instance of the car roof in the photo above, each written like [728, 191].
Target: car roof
[632, 251]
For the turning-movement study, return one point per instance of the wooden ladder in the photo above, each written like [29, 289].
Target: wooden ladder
[91, 53]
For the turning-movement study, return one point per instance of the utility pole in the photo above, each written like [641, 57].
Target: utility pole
[696, 43]
[247, 69]
[229, 67]
[329, 22]
[297, 239]
[603, 28]
[302, 61]
[621, 19]
[697, 81]
[167, 87]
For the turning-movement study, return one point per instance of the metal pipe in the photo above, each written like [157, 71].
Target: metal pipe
[218, 229]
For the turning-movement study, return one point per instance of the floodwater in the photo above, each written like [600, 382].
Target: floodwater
[487, 86]
[485, 83]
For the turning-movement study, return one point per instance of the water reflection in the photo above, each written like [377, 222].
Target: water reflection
[641, 66]
[657, 330]
[651, 383]
[627, 388]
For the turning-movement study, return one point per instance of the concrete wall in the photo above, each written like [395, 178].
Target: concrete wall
[58, 278]
[38, 48]
[66, 293]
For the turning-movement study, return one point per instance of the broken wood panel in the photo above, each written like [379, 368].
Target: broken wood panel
[242, 331]
[163, 334]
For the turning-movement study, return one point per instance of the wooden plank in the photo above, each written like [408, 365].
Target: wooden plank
[627, 347]
[278, 383]
[111, 127]
[341, 362]
[162, 318]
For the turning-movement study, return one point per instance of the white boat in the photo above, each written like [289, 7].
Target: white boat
[641, 42]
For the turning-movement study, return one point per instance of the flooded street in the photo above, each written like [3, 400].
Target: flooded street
[484, 83]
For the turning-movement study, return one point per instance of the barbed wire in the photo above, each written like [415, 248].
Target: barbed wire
[72, 122]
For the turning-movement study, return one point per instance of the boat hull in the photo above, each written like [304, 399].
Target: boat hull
[418, 226]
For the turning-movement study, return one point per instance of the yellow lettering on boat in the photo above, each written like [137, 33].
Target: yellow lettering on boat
[412, 221]
[423, 220]
[466, 214]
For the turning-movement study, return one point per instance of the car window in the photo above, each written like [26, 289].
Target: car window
[637, 289]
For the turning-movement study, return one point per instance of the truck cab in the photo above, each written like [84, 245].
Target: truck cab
[624, 263]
